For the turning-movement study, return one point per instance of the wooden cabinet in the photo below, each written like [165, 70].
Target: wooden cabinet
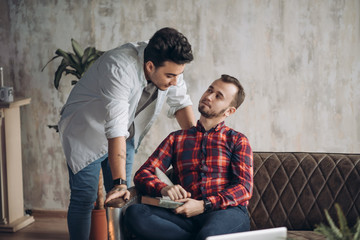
[12, 216]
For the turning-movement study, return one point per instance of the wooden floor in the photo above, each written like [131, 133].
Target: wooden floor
[44, 228]
[48, 227]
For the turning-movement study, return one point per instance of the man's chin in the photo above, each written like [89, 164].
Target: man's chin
[203, 112]
[161, 88]
[203, 108]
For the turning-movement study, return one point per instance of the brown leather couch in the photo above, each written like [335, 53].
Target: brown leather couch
[292, 190]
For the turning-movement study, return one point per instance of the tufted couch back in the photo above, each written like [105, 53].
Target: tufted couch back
[293, 189]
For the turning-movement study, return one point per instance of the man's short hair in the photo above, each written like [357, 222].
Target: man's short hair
[240, 96]
[168, 44]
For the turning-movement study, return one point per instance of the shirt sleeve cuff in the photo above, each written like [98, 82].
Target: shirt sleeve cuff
[215, 202]
[117, 133]
[159, 187]
[173, 110]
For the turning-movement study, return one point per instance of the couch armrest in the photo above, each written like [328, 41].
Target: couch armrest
[115, 213]
[121, 203]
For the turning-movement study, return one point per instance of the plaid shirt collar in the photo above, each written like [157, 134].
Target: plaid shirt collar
[200, 128]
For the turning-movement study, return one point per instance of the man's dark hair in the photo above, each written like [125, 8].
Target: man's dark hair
[168, 44]
[240, 96]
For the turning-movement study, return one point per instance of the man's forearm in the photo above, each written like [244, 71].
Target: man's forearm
[185, 117]
[117, 157]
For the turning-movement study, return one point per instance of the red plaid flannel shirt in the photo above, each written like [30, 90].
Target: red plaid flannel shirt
[215, 164]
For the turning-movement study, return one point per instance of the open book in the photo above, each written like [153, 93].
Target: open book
[164, 201]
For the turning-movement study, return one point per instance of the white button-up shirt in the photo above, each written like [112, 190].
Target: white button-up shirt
[102, 105]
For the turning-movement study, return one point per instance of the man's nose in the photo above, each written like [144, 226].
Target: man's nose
[173, 81]
[210, 96]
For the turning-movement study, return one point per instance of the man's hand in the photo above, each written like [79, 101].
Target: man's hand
[190, 208]
[118, 192]
[175, 192]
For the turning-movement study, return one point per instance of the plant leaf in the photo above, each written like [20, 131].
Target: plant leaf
[73, 72]
[49, 62]
[92, 57]
[326, 231]
[63, 54]
[75, 59]
[343, 222]
[77, 48]
[58, 74]
[88, 52]
[356, 230]
[76, 64]
[88, 64]
[333, 227]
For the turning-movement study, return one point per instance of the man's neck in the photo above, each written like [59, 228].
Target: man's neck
[209, 123]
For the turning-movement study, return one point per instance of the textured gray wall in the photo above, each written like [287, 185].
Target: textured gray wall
[299, 62]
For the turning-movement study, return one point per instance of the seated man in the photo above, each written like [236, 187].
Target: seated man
[213, 169]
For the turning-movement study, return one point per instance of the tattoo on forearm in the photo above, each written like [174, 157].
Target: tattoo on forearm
[122, 154]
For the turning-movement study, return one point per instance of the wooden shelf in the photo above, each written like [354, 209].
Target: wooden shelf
[12, 215]
[18, 102]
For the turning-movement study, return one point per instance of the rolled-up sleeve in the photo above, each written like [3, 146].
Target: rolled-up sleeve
[178, 97]
[115, 90]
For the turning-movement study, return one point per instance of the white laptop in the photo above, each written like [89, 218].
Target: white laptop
[268, 234]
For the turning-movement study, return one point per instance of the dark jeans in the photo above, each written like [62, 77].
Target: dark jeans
[155, 223]
[84, 186]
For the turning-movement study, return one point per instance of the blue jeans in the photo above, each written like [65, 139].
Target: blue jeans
[83, 188]
[155, 223]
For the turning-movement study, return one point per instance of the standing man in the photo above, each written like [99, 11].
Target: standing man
[213, 170]
[110, 110]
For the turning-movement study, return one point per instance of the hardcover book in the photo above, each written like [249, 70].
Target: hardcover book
[164, 202]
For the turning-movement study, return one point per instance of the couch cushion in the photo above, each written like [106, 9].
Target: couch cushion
[293, 189]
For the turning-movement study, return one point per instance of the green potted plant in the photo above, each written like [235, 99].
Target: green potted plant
[343, 232]
[76, 63]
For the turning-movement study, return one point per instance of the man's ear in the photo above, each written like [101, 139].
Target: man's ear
[230, 111]
[149, 66]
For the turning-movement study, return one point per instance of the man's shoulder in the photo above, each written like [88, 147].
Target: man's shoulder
[127, 53]
[183, 132]
[230, 132]
[132, 46]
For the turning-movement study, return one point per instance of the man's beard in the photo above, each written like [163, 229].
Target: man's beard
[210, 114]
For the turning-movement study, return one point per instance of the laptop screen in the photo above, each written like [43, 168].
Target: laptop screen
[268, 234]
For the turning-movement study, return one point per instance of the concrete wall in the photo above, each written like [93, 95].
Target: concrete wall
[299, 62]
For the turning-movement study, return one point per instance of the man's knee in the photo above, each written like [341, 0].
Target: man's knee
[81, 206]
[227, 221]
[133, 215]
